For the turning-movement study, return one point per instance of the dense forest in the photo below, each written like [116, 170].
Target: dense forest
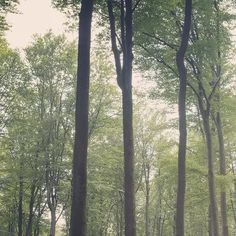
[129, 130]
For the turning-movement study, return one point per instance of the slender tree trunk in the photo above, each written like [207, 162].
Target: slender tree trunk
[219, 127]
[147, 225]
[37, 224]
[233, 202]
[124, 79]
[159, 213]
[174, 226]
[233, 192]
[117, 220]
[11, 227]
[30, 219]
[147, 199]
[182, 119]
[222, 172]
[130, 224]
[31, 206]
[53, 223]
[160, 218]
[129, 161]
[36, 230]
[20, 207]
[211, 176]
[79, 179]
[121, 219]
[209, 222]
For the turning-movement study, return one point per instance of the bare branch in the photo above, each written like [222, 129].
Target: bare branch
[162, 61]
[196, 72]
[194, 90]
[136, 5]
[119, 41]
[177, 22]
[115, 49]
[214, 88]
[172, 46]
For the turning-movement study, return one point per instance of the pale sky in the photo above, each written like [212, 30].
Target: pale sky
[36, 16]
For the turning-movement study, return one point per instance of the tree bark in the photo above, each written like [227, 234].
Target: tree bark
[124, 79]
[218, 123]
[20, 206]
[147, 199]
[182, 119]
[130, 224]
[53, 223]
[209, 221]
[31, 215]
[211, 177]
[222, 172]
[159, 217]
[233, 201]
[79, 172]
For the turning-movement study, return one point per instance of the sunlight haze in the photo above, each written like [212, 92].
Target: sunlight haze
[35, 17]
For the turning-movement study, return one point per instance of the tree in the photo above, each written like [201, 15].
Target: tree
[124, 79]
[79, 178]
[51, 60]
[150, 144]
[218, 122]
[203, 61]
[6, 6]
[180, 57]
[13, 77]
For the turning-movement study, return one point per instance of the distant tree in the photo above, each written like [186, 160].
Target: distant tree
[54, 83]
[6, 6]
[13, 78]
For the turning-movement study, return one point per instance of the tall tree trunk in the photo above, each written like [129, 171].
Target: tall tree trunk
[31, 205]
[233, 202]
[233, 192]
[11, 225]
[130, 224]
[222, 172]
[129, 158]
[182, 119]
[211, 176]
[37, 224]
[124, 79]
[159, 218]
[218, 123]
[20, 206]
[53, 223]
[79, 179]
[36, 230]
[160, 215]
[209, 222]
[147, 199]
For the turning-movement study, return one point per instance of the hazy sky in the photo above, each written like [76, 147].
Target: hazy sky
[36, 16]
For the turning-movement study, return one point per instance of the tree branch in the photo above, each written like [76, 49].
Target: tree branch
[194, 90]
[177, 22]
[214, 88]
[115, 50]
[172, 46]
[162, 61]
[136, 5]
